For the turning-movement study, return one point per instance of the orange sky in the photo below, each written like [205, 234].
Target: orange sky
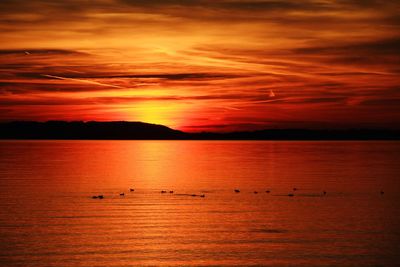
[202, 65]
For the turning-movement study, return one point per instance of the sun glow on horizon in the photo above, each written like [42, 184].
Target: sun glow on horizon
[154, 112]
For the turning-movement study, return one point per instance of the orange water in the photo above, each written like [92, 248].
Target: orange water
[48, 218]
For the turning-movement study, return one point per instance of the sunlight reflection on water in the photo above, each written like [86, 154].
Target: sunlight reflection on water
[48, 218]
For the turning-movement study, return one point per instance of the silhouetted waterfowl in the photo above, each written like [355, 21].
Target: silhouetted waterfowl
[163, 191]
[324, 193]
[255, 192]
[100, 196]
[122, 194]
[194, 195]
[94, 196]
[171, 192]
[294, 189]
[202, 195]
[382, 192]
[132, 190]
[237, 191]
[267, 191]
[290, 195]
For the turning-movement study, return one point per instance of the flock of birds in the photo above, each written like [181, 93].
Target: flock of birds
[289, 195]
[203, 195]
[162, 192]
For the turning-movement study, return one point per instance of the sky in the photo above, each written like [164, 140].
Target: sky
[202, 65]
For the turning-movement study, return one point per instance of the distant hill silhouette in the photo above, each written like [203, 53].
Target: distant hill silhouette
[121, 130]
[86, 130]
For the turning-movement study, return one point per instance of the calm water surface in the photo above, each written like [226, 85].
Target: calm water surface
[48, 218]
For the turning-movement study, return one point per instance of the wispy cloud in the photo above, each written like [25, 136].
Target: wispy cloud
[80, 81]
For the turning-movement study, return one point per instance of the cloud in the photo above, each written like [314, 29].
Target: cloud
[166, 76]
[19, 12]
[80, 80]
[388, 102]
[322, 60]
[377, 47]
[40, 52]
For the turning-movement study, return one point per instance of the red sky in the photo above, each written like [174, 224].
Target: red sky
[202, 65]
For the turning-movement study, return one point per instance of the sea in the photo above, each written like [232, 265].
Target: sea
[297, 203]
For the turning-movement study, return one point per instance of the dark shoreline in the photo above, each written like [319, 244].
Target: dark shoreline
[121, 130]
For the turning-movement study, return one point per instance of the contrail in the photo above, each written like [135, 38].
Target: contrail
[82, 81]
[271, 93]
[231, 108]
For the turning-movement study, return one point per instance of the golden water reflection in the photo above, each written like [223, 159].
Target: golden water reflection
[48, 217]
